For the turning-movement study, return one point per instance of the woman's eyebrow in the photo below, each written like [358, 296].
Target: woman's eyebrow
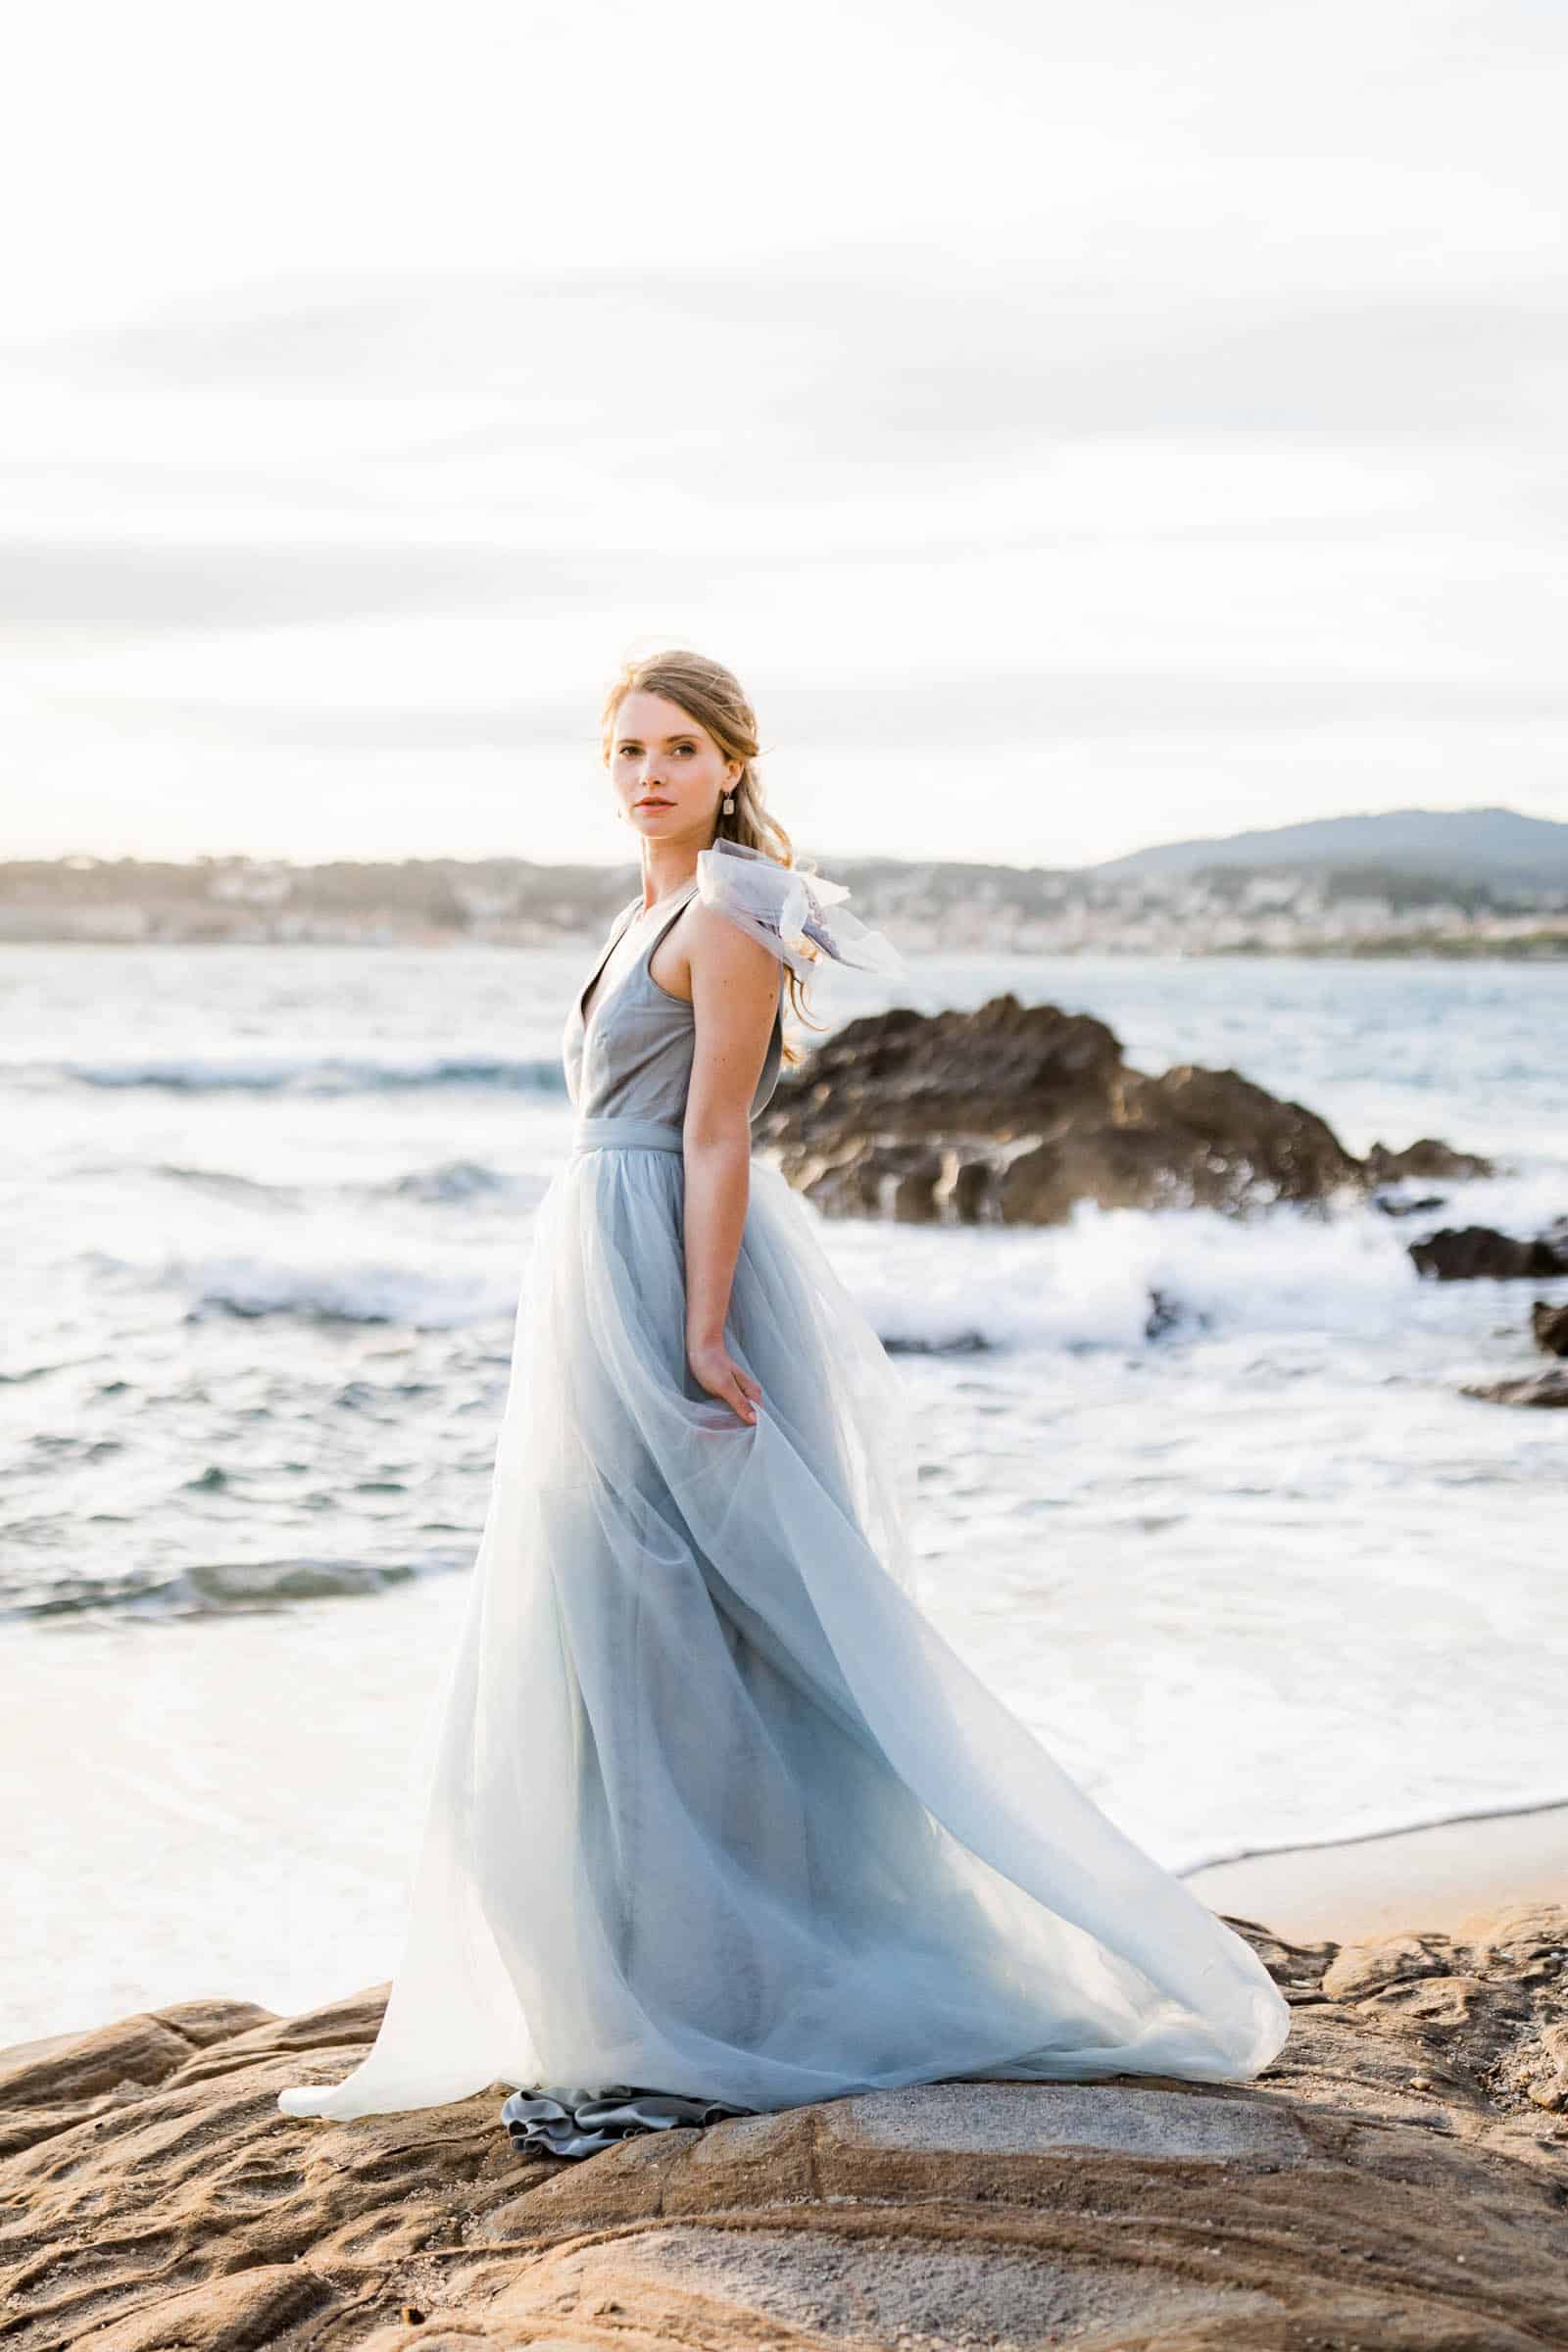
[685, 736]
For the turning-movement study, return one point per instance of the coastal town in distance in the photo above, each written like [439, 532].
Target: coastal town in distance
[1451, 883]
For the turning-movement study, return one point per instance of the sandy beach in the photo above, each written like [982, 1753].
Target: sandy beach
[1439, 1879]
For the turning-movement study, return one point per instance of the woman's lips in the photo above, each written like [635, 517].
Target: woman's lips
[653, 804]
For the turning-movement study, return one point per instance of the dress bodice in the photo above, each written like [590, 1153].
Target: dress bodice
[629, 1056]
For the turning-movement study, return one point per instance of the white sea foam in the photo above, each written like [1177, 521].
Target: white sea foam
[1094, 1283]
[367, 1292]
[1119, 1279]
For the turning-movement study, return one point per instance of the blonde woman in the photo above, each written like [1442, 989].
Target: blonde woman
[719, 1821]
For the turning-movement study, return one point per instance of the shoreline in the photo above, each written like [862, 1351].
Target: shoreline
[1447, 1878]
[1442, 1878]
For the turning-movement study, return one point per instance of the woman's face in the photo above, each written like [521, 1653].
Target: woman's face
[668, 773]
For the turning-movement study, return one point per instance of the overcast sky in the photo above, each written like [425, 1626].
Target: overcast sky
[1077, 425]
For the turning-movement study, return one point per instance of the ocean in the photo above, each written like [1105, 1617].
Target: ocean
[1264, 1579]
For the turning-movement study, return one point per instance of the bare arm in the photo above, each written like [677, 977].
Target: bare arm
[735, 988]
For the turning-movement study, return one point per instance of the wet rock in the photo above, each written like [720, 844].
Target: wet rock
[1548, 1327]
[1198, 1138]
[1425, 1161]
[1165, 1314]
[1399, 2176]
[1400, 1204]
[1475, 1253]
[1014, 1113]
[1545, 1389]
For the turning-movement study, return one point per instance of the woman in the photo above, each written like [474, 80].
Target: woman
[719, 1821]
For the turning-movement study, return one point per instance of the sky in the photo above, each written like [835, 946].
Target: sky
[1077, 427]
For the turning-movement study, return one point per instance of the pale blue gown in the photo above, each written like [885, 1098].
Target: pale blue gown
[717, 1812]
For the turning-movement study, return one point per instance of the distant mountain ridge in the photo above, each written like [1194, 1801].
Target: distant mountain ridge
[1463, 844]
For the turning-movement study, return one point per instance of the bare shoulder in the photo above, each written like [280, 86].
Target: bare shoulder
[704, 951]
[723, 946]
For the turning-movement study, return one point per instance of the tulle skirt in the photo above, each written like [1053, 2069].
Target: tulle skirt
[716, 1808]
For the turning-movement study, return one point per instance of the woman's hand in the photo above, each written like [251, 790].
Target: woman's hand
[715, 1369]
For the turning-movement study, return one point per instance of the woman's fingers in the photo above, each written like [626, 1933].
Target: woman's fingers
[719, 1374]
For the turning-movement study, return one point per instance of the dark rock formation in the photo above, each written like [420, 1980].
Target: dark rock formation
[1014, 1113]
[1397, 2178]
[1545, 1389]
[1165, 1314]
[1475, 1253]
[1394, 1205]
[1427, 1159]
[1548, 1327]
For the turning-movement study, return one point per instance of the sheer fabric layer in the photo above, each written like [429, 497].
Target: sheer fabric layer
[717, 1809]
[800, 916]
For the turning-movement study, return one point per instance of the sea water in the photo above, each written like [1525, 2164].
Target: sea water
[1262, 1579]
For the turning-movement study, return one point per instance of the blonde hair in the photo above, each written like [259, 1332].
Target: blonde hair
[713, 696]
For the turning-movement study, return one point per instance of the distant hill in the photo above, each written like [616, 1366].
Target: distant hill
[1495, 846]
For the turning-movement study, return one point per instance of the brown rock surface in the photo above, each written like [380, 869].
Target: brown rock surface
[1547, 1391]
[1424, 1159]
[1015, 1112]
[1398, 2178]
[1548, 1327]
[1477, 1253]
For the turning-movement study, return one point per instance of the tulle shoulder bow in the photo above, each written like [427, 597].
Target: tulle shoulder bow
[787, 911]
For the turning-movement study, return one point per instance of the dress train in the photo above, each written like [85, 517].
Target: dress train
[715, 1806]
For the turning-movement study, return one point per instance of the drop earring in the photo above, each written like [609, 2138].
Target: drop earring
[729, 803]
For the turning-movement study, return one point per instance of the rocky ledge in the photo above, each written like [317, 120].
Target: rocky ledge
[1478, 1253]
[1014, 1113]
[1397, 2178]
